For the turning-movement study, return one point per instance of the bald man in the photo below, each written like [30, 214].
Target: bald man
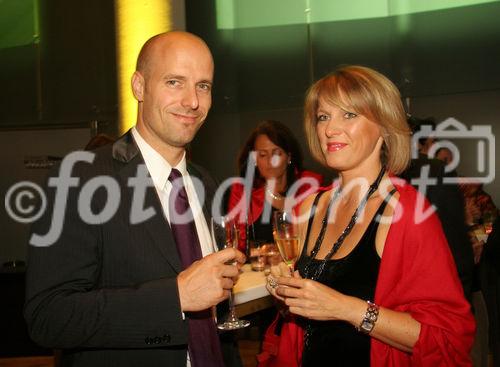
[138, 288]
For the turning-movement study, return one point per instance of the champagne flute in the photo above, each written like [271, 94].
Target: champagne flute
[286, 236]
[224, 235]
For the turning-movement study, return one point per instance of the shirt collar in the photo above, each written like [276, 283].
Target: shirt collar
[158, 167]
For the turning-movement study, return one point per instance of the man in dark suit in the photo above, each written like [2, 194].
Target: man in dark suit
[136, 288]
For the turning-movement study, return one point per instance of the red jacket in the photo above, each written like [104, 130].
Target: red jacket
[418, 275]
[257, 204]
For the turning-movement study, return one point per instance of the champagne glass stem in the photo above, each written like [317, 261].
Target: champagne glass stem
[232, 310]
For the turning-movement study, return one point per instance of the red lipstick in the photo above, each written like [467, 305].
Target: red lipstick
[335, 146]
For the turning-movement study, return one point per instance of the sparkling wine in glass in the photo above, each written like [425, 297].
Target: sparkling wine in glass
[224, 234]
[286, 236]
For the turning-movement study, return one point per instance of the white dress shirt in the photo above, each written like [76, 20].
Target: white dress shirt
[159, 169]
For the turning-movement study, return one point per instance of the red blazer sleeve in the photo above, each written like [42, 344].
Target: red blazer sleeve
[418, 275]
[237, 207]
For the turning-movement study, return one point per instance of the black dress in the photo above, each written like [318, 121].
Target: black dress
[261, 230]
[338, 343]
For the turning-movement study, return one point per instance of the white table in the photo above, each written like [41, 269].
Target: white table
[250, 293]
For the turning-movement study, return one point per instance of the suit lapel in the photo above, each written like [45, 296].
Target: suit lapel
[126, 152]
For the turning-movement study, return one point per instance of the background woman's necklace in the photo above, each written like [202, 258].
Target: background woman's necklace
[277, 197]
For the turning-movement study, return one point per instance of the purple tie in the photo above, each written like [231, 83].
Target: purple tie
[204, 345]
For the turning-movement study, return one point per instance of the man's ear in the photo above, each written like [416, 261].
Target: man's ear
[138, 86]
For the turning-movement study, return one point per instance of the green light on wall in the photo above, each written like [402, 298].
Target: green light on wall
[18, 23]
[234, 14]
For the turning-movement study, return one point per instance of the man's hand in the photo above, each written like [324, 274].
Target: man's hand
[208, 281]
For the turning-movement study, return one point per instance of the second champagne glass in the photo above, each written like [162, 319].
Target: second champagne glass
[286, 236]
[224, 234]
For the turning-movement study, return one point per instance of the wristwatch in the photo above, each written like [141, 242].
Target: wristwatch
[370, 318]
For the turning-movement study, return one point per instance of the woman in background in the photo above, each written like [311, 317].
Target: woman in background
[376, 283]
[275, 153]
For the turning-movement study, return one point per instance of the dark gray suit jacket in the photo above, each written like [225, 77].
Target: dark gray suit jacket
[107, 293]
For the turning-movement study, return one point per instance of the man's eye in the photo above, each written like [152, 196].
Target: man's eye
[205, 86]
[173, 82]
[350, 115]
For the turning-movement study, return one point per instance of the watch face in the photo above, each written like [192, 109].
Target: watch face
[367, 326]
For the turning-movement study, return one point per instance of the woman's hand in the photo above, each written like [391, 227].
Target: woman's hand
[277, 271]
[316, 301]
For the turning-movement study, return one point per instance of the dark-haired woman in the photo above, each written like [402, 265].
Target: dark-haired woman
[273, 155]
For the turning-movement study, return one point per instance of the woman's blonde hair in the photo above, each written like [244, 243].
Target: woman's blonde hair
[367, 92]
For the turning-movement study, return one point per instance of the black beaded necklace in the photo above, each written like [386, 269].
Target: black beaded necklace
[319, 270]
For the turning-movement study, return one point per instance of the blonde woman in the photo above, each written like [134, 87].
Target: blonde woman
[376, 284]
